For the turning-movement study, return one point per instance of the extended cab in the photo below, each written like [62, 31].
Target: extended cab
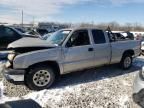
[37, 62]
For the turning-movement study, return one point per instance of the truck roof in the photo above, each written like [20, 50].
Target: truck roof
[79, 28]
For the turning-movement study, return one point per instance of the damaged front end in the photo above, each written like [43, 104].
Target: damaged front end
[16, 75]
[13, 52]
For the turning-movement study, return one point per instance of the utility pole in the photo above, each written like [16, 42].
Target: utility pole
[22, 18]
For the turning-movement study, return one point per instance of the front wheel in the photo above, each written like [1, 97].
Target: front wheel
[126, 61]
[40, 78]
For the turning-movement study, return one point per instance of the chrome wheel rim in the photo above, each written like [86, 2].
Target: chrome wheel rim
[41, 78]
[127, 62]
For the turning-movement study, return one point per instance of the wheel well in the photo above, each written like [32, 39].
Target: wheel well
[131, 52]
[52, 64]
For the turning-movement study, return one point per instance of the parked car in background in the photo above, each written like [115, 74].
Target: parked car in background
[118, 36]
[42, 31]
[128, 35]
[138, 89]
[20, 29]
[8, 35]
[33, 32]
[38, 63]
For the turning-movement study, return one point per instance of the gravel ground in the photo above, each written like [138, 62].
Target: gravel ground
[104, 87]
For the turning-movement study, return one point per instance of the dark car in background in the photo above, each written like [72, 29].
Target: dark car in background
[42, 31]
[8, 35]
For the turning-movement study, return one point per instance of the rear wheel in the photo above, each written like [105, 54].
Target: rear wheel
[126, 61]
[40, 78]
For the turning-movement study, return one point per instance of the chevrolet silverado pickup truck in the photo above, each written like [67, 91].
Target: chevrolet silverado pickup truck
[38, 62]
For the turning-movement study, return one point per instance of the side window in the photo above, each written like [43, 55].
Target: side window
[98, 36]
[79, 38]
[9, 32]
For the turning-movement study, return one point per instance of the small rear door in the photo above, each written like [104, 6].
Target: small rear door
[102, 48]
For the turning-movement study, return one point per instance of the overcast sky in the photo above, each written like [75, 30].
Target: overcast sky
[73, 11]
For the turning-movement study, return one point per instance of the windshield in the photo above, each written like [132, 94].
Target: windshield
[44, 37]
[58, 37]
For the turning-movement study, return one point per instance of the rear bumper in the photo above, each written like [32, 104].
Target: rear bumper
[14, 75]
[138, 91]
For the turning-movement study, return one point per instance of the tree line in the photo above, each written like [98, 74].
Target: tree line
[114, 26]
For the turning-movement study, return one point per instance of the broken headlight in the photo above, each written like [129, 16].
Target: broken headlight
[8, 64]
[11, 56]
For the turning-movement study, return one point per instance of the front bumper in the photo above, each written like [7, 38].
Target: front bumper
[15, 76]
[138, 91]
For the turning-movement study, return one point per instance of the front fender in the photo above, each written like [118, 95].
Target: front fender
[25, 60]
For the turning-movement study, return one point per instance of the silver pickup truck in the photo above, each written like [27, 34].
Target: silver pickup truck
[38, 62]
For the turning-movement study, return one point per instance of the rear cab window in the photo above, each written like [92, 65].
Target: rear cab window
[98, 36]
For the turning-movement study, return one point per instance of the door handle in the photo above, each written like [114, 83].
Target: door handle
[90, 49]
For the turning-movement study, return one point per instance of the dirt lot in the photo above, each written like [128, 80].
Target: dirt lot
[104, 87]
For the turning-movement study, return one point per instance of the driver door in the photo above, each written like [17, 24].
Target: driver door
[79, 53]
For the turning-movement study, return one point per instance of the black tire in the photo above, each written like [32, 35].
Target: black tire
[32, 72]
[123, 60]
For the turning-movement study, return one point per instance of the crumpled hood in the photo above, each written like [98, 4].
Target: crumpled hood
[29, 42]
